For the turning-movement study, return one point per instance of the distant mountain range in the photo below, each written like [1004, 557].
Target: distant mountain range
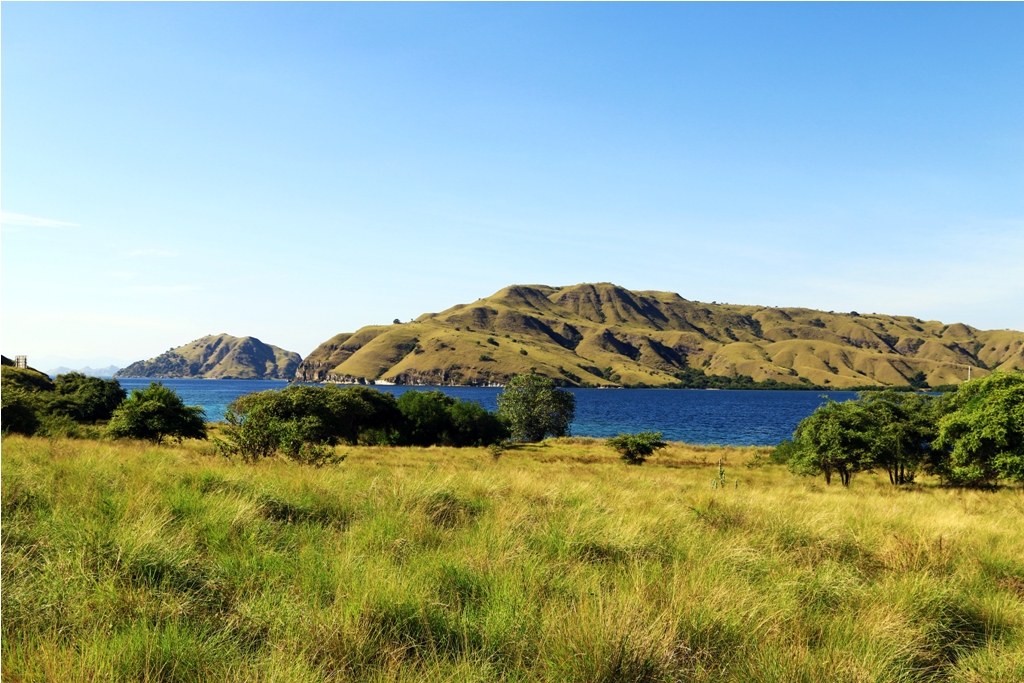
[219, 357]
[105, 373]
[605, 335]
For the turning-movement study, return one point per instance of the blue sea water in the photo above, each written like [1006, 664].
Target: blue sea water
[738, 418]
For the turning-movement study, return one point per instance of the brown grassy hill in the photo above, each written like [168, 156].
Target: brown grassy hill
[219, 356]
[604, 335]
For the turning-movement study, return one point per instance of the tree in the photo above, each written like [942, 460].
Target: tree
[899, 429]
[155, 413]
[474, 425]
[426, 418]
[983, 436]
[833, 440]
[87, 399]
[431, 417]
[534, 408]
[636, 448]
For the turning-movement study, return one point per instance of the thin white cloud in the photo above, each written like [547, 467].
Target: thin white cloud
[160, 253]
[165, 288]
[23, 220]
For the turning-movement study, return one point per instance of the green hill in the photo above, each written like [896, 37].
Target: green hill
[605, 335]
[219, 356]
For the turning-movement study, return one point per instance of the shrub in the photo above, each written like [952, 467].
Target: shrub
[783, 453]
[305, 423]
[88, 399]
[155, 413]
[58, 426]
[426, 420]
[18, 414]
[636, 448]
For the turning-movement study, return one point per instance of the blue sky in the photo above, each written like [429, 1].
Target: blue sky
[291, 171]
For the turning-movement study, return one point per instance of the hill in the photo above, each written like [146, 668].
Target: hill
[605, 335]
[104, 373]
[219, 356]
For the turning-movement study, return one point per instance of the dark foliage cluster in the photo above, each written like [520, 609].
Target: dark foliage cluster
[971, 437]
[304, 423]
[693, 378]
[33, 404]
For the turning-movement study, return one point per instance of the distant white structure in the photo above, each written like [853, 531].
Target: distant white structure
[21, 362]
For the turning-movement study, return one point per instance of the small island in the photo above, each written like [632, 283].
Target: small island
[219, 356]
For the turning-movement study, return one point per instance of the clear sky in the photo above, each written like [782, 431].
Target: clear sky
[292, 171]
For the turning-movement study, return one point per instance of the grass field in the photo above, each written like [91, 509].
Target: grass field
[555, 562]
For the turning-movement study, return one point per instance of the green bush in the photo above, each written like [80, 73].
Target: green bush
[19, 412]
[155, 413]
[87, 399]
[304, 422]
[32, 401]
[636, 448]
[58, 426]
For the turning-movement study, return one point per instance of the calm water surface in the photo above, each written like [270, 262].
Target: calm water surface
[737, 418]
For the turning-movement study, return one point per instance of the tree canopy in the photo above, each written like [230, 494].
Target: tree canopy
[534, 408]
[305, 422]
[833, 440]
[983, 435]
[155, 413]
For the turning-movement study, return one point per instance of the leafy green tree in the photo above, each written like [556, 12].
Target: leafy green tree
[426, 418]
[636, 448]
[833, 440]
[534, 408]
[983, 435]
[155, 413]
[432, 417]
[900, 427]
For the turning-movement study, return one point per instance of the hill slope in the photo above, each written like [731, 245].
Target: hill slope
[219, 356]
[605, 335]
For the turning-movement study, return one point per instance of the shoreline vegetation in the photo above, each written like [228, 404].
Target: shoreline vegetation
[553, 561]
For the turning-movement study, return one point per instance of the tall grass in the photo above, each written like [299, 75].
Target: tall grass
[551, 563]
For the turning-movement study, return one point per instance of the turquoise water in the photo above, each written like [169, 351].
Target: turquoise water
[737, 418]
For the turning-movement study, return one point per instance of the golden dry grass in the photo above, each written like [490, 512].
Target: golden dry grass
[554, 562]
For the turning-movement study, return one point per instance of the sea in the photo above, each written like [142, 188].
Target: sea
[693, 416]
[698, 416]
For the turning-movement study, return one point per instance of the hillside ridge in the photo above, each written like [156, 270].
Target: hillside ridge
[601, 334]
[219, 356]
